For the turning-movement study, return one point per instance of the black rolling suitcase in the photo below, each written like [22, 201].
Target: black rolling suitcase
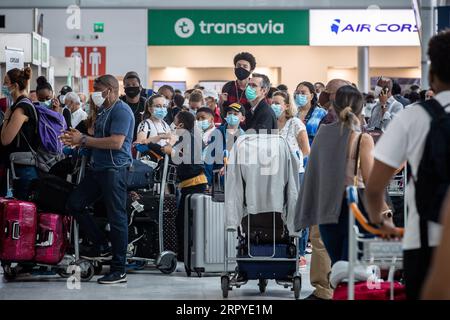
[143, 222]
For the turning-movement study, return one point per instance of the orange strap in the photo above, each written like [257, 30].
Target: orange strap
[363, 222]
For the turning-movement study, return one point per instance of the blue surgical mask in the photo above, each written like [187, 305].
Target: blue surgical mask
[6, 92]
[250, 93]
[193, 111]
[232, 120]
[277, 109]
[160, 113]
[301, 100]
[203, 125]
[47, 104]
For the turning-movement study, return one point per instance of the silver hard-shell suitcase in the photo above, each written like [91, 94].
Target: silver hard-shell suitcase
[204, 235]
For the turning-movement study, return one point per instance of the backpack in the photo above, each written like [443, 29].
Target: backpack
[49, 126]
[433, 179]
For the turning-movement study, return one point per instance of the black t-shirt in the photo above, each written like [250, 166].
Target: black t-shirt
[138, 110]
[29, 128]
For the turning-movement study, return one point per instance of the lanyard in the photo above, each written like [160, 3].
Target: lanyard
[237, 92]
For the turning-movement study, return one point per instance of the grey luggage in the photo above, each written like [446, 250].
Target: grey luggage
[204, 235]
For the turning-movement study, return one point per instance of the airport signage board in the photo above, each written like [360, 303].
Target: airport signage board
[227, 27]
[370, 27]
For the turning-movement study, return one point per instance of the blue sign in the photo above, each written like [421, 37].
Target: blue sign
[443, 18]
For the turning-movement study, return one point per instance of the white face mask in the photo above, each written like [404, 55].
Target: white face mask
[97, 98]
[377, 91]
[61, 98]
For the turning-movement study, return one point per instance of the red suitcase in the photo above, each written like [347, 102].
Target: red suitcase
[363, 292]
[52, 238]
[18, 227]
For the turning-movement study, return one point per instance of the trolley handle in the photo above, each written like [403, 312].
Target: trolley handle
[352, 202]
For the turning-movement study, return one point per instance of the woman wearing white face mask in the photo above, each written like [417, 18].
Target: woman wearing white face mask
[294, 131]
[153, 129]
[19, 121]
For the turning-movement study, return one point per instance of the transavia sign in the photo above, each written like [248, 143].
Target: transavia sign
[225, 27]
[363, 28]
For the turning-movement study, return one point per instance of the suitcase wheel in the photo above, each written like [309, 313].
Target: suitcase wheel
[10, 274]
[87, 270]
[262, 284]
[297, 287]
[225, 282]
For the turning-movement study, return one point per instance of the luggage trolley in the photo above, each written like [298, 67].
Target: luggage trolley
[260, 262]
[166, 260]
[85, 267]
[386, 254]
[284, 259]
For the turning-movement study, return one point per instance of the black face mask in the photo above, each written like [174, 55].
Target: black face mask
[241, 73]
[132, 92]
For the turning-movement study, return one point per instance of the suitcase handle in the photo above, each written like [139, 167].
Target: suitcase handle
[47, 239]
[15, 227]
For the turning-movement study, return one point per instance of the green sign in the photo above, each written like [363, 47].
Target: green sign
[99, 27]
[228, 27]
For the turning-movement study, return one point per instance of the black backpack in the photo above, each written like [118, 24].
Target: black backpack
[433, 179]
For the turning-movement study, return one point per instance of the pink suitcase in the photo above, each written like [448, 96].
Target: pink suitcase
[52, 238]
[18, 226]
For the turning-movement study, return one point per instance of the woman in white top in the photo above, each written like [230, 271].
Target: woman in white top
[291, 127]
[153, 129]
[294, 131]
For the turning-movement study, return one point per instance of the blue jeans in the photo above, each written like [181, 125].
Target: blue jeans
[305, 232]
[111, 185]
[335, 236]
[26, 174]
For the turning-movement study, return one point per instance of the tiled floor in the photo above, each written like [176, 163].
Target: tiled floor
[148, 284]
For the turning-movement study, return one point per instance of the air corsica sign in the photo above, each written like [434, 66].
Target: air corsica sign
[363, 28]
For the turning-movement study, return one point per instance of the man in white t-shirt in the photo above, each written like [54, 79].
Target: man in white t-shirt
[73, 103]
[404, 140]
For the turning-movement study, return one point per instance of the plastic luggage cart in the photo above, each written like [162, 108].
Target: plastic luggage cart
[370, 251]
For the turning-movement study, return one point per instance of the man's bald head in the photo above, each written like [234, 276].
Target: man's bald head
[328, 96]
[334, 85]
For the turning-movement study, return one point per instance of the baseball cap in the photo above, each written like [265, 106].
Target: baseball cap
[235, 107]
[65, 90]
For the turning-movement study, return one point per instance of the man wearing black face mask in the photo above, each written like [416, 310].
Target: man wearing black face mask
[133, 88]
[234, 91]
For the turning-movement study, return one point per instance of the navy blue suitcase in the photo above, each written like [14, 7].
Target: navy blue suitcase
[276, 270]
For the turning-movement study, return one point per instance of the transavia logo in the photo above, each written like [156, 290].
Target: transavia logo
[365, 27]
[184, 27]
[335, 26]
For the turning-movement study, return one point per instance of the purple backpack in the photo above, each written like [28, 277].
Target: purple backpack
[50, 125]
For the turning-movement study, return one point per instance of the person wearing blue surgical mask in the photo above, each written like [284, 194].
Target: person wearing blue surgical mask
[153, 129]
[305, 99]
[293, 130]
[205, 123]
[196, 101]
[228, 132]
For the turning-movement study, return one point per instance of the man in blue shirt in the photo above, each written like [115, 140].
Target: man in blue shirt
[111, 159]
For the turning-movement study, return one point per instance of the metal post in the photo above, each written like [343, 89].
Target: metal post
[428, 30]
[363, 69]
[161, 203]
[351, 250]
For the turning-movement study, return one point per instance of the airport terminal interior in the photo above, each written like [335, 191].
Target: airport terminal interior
[234, 150]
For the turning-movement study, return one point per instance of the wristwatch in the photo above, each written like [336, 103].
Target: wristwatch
[83, 140]
[387, 213]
